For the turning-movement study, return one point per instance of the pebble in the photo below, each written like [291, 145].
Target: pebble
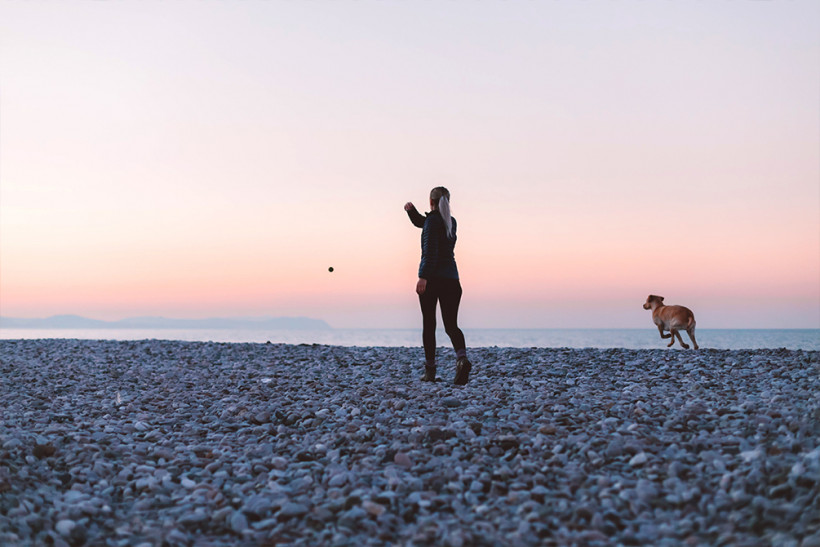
[403, 459]
[214, 443]
[374, 509]
[291, 509]
[65, 527]
[638, 459]
[238, 522]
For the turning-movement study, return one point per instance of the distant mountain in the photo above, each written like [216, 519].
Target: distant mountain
[77, 322]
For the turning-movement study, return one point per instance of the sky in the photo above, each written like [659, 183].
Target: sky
[204, 159]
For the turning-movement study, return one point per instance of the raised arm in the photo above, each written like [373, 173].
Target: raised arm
[415, 217]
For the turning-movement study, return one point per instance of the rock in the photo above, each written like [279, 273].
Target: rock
[614, 449]
[337, 480]
[751, 455]
[12, 444]
[351, 517]
[238, 522]
[402, 459]
[372, 508]
[164, 453]
[192, 520]
[638, 459]
[43, 450]
[257, 506]
[290, 510]
[634, 448]
[507, 442]
[65, 527]
[261, 417]
[451, 402]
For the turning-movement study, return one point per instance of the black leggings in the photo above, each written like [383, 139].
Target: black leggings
[448, 293]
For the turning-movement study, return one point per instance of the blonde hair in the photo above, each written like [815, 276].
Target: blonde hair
[441, 196]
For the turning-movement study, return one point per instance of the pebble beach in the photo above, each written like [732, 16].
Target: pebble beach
[162, 443]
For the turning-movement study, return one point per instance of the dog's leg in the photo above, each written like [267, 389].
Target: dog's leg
[660, 330]
[691, 332]
[672, 336]
[683, 344]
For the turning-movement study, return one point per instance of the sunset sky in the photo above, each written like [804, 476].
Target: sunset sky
[214, 158]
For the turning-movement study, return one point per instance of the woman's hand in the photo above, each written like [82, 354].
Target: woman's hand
[421, 286]
[409, 206]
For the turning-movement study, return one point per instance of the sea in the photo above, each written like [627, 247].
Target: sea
[794, 339]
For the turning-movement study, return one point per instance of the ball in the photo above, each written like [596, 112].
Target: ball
[330, 269]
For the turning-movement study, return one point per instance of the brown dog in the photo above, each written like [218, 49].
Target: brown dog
[671, 318]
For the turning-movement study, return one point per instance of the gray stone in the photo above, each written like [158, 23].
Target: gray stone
[633, 448]
[258, 506]
[192, 519]
[290, 510]
[65, 527]
[12, 443]
[238, 522]
[638, 459]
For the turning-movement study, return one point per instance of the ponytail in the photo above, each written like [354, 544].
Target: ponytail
[441, 196]
[444, 209]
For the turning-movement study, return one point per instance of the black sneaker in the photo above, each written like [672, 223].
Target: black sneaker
[429, 374]
[463, 368]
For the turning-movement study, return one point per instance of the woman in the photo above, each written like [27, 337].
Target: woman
[438, 282]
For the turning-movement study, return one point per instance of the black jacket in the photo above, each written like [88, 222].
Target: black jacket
[437, 250]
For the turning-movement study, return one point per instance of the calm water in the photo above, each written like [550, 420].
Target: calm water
[806, 339]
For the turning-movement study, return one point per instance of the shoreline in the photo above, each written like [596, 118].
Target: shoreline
[151, 441]
[732, 339]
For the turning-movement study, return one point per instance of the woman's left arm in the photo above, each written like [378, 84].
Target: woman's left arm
[415, 217]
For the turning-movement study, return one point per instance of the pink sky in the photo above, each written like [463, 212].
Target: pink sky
[214, 158]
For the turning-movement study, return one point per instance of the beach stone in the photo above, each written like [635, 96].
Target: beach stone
[635, 450]
[177, 537]
[337, 480]
[638, 459]
[261, 417]
[614, 449]
[43, 450]
[374, 509]
[352, 516]
[238, 522]
[12, 443]
[291, 509]
[451, 402]
[257, 506]
[164, 453]
[65, 527]
[402, 459]
[192, 519]
[456, 538]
